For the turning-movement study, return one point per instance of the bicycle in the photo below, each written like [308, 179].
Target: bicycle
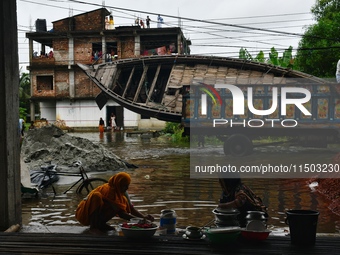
[86, 184]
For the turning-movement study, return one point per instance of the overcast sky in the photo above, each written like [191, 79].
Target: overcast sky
[215, 27]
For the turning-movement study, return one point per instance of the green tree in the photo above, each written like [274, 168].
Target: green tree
[319, 48]
[325, 9]
[244, 54]
[285, 61]
[260, 57]
[273, 57]
[24, 95]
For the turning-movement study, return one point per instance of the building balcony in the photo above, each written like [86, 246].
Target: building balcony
[42, 61]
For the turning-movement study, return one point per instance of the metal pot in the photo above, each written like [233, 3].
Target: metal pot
[256, 215]
[226, 218]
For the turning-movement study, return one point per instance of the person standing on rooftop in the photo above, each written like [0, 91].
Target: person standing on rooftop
[147, 21]
[159, 21]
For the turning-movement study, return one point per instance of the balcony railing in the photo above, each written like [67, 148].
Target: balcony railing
[43, 61]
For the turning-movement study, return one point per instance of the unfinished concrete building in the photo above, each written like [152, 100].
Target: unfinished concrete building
[63, 91]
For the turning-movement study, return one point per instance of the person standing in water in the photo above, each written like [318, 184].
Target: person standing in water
[101, 125]
[113, 121]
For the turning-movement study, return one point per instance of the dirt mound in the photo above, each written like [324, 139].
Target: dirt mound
[51, 144]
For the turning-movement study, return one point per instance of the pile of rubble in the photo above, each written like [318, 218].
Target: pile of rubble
[50, 144]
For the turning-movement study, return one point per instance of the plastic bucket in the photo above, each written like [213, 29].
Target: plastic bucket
[302, 226]
[168, 220]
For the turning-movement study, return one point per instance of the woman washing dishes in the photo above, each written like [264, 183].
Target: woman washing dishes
[106, 201]
[236, 195]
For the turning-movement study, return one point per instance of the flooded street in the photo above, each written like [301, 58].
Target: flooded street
[162, 181]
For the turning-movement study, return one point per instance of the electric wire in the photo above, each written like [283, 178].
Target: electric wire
[212, 25]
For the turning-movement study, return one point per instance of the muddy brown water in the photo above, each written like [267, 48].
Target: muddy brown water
[162, 180]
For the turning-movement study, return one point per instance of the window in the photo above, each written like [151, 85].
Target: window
[45, 82]
[111, 48]
[108, 56]
[97, 47]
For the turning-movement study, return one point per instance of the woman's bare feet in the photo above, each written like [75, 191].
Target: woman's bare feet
[96, 231]
[106, 227]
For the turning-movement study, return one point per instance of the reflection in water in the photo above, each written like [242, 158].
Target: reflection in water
[162, 180]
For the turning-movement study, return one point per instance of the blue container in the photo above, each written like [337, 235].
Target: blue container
[168, 220]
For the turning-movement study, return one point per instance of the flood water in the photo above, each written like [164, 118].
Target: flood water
[162, 181]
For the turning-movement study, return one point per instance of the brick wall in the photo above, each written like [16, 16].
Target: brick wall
[61, 78]
[83, 50]
[60, 50]
[84, 86]
[127, 47]
[90, 21]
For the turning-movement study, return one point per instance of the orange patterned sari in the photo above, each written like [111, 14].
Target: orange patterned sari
[108, 198]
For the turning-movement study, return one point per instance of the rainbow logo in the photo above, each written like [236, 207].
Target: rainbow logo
[212, 93]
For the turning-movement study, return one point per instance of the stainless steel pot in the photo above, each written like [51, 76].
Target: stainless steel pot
[256, 215]
[226, 217]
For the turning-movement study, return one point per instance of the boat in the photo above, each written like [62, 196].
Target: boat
[152, 85]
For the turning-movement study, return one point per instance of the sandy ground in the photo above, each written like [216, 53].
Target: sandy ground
[51, 145]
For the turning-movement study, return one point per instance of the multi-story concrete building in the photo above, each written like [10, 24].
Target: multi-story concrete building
[63, 91]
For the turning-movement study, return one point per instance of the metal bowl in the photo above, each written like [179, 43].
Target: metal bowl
[139, 233]
[225, 211]
[227, 218]
[137, 220]
[193, 232]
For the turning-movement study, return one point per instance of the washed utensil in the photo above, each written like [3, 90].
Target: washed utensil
[255, 235]
[223, 235]
[225, 210]
[193, 233]
[130, 231]
[256, 215]
[256, 225]
[193, 239]
[226, 218]
[138, 220]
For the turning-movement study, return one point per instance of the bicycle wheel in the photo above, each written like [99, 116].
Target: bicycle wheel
[90, 184]
[48, 191]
